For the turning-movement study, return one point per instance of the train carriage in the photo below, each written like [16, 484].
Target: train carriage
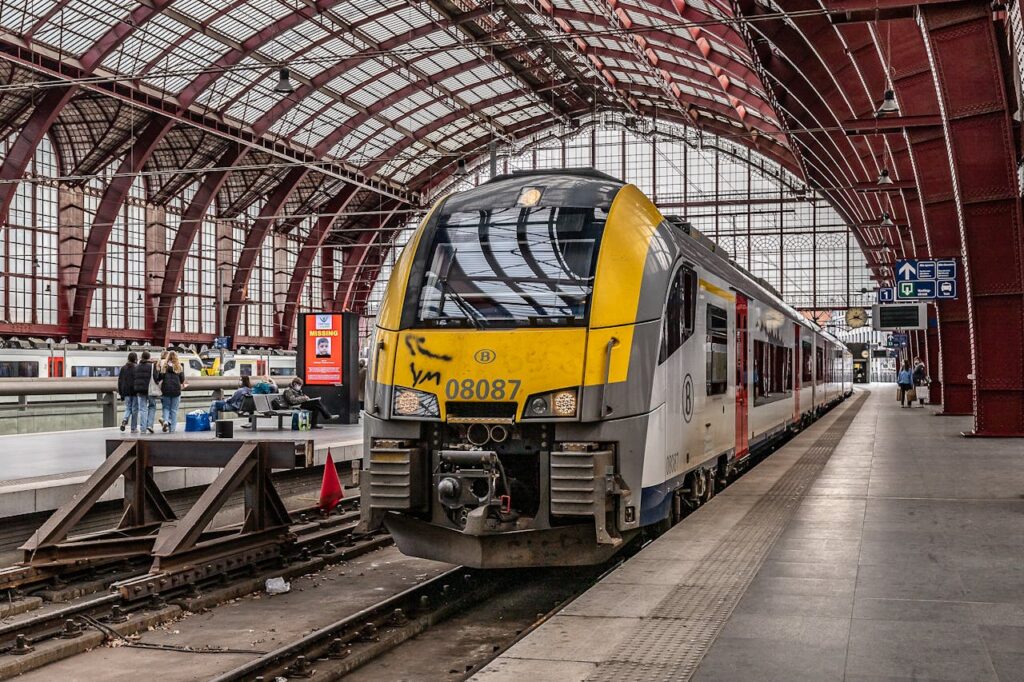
[556, 365]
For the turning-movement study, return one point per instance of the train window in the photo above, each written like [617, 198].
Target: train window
[819, 364]
[94, 371]
[281, 371]
[19, 369]
[229, 365]
[244, 369]
[717, 356]
[805, 361]
[195, 364]
[773, 370]
[677, 323]
[510, 267]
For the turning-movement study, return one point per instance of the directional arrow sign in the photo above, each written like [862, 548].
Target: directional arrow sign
[913, 291]
[906, 269]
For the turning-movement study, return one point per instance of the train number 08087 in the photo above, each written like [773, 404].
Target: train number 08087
[482, 389]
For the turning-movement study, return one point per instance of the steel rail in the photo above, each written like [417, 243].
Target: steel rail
[351, 624]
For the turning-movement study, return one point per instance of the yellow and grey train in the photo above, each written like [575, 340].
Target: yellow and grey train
[556, 365]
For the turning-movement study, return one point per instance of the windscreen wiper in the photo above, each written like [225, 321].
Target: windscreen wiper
[467, 310]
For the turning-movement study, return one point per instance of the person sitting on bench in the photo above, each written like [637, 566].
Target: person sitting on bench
[232, 404]
[293, 397]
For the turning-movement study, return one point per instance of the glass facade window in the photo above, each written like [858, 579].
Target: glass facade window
[119, 302]
[28, 244]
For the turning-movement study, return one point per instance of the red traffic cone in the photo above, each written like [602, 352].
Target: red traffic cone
[331, 491]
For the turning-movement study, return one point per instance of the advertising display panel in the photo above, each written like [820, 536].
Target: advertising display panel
[322, 347]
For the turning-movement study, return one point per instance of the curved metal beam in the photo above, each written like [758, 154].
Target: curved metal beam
[254, 242]
[24, 147]
[103, 222]
[51, 105]
[358, 260]
[307, 253]
[191, 224]
[963, 46]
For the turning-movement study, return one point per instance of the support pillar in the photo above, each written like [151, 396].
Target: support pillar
[962, 42]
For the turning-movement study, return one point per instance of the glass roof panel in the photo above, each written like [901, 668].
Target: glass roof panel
[179, 67]
[200, 10]
[18, 17]
[256, 102]
[145, 44]
[294, 43]
[232, 83]
[250, 18]
[75, 28]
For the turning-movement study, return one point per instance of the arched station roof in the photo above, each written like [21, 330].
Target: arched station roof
[388, 96]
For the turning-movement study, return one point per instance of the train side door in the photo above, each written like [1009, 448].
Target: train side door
[797, 370]
[680, 398]
[742, 395]
[55, 367]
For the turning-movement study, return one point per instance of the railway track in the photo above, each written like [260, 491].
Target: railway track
[346, 645]
[136, 600]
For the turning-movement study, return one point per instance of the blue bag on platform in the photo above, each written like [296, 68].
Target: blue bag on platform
[197, 421]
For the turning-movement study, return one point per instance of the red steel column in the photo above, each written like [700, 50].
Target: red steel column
[964, 48]
[915, 91]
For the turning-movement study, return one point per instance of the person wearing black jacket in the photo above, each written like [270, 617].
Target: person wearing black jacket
[126, 389]
[171, 378]
[147, 403]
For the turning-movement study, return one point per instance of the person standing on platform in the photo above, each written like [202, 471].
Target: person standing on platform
[171, 378]
[126, 388]
[905, 380]
[147, 403]
[232, 404]
[920, 379]
[295, 398]
[159, 367]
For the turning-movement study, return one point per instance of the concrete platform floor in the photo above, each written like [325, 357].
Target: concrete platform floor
[903, 560]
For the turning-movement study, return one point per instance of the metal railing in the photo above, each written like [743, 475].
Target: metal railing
[104, 390]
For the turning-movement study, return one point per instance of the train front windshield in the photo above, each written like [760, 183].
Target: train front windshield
[511, 267]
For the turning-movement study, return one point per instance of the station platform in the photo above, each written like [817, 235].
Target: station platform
[41, 471]
[879, 544]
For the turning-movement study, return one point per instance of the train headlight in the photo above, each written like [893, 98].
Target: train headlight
[561, 403]
[409, 402]
[529, 197]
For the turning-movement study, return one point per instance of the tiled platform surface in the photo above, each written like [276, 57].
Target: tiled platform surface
[39, 472]
[903, 560]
